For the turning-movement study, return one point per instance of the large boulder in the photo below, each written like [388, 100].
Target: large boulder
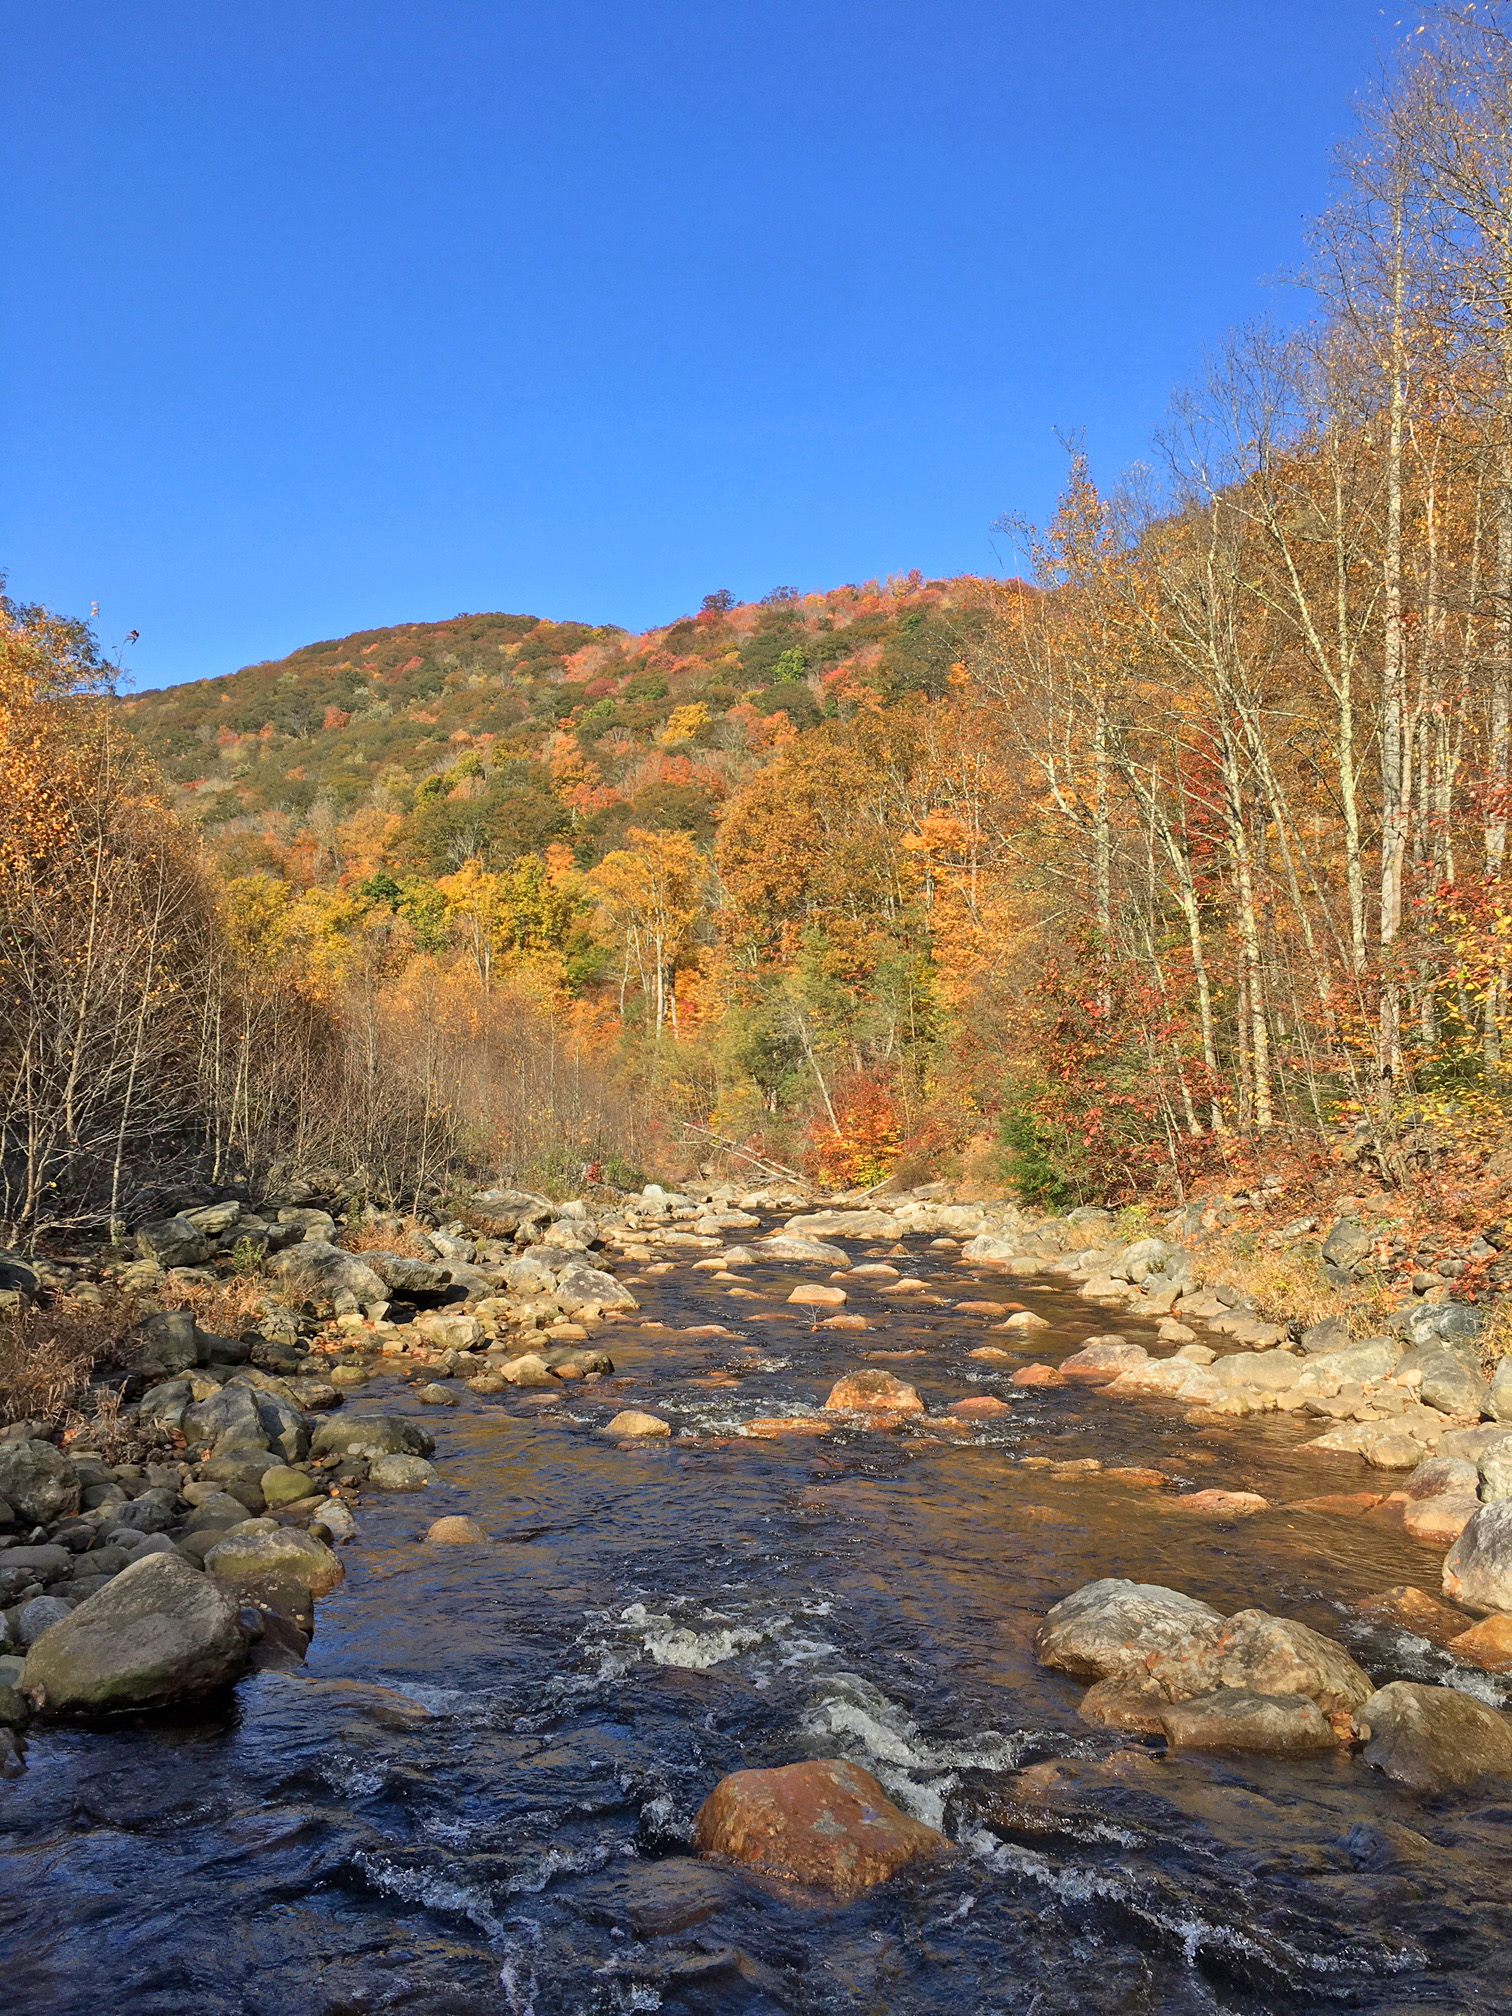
[1134, 1633]
[506, 1210]
[326, 1273]
[165, 1344]
[1236, 1718]
[157, 1633]
[1349, 1246]
[1442, 1322]
[1478, 1567]
[250, 1560]
[825, 1825]
[1499, 1397]
[38, 1481]
[1433, 1738]
[787, 1246]
[173, 1242]
[401, 1473]
[841, 1225]
[1276, 1655]
[1103, 1360]
[372, 1435]
[1450, 1381]
[242, 1415]
[587, 1291]
[529, 1275]
[873, 1392]
[408, 1276]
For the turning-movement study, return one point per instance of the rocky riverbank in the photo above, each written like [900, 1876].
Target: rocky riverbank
[139, 1579]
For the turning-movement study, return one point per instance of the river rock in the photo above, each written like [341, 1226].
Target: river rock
[1499, 1396]
[164, 1344]
[158, 1633]
[173, 1242]
[1236, 1718]
[873, 1392]
[1438, 1522]
[401, 1473]
[372, 1435]
[782, 1246]
[38, 1480]
[825, 1825]
[1099, 1359]
[1478, 1567]
[456, 1531]
[1024, 1319]
[1495, 1473]
[1133, 1633]
[1487, 1644]
[1450, 1382]
[842, 1225]
[818, 1294]
[40, 1615]
[1262, 1654]
[1433, 1738]
[529, 1369]
[436, 1395]
[632, 1425]
[329, 1273]
[284, 1555]
[283, 1486]
[1215, 1504]
[587, 1291]
[407, 1276]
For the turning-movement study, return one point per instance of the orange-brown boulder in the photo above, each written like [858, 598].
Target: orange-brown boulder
[817, 1295]
[982, 1403]
[874, 1392]
[826, 1825]
[1487, 1644]
[1036, 1375]
[1415, 1610]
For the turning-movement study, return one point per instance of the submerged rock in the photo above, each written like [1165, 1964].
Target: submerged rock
[1433, 1738]
[284, 1555]
[158, 1633]
[372, 1435]
[1237, 1718]
[456, 1531]
[401, 1473]
[825, 1825]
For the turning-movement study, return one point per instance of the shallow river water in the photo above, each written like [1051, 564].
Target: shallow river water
[476, 1795]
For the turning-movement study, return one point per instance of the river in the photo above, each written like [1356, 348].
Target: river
[476, 1794]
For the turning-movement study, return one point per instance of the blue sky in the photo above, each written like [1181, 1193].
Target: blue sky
[321, 316]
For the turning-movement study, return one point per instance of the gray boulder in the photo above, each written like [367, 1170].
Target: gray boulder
[326, 1272]
[157, 1633]
[407, 1276]
[1433, 1738]
[1331, 1334]
[1349, 1246]
[1478, 1567]
[306, 1221]
[507, 1210]
[1499, 1398]
[529, 1274]
[38, 1480]
[1133, 1632]
[166, 1343]
[1440, 1322]
[173, 1242]
[1495, 1472]
[1235, 1718]
[164, 1405]
[16, 1276]
[372, 1435]
[40, 1615]
[401, 1473]
[283, 1555]
[585, 1291]
[782, 1246]
[1450, 1381]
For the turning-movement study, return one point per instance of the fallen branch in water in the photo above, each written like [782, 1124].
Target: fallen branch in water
[734, 1148]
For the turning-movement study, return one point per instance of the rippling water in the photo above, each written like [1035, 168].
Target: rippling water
[476, 1795]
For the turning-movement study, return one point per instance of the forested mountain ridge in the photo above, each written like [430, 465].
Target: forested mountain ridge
[492, 736]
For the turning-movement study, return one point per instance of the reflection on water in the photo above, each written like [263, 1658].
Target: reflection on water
[477, 1796]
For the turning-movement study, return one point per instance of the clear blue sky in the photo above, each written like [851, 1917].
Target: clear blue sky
[321, 316]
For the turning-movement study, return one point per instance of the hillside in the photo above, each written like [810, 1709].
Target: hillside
[492, 736]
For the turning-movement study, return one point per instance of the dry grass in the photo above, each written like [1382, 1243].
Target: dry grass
[48, 1355]
[1292, 1284]
[1496, 1339]
[228, 1306]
